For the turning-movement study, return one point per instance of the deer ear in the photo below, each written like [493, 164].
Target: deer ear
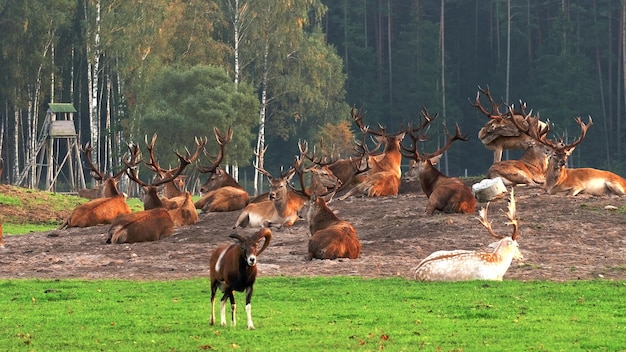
[569, 151]
[435, 160]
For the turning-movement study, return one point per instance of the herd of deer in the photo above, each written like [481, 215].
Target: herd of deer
[371, 173]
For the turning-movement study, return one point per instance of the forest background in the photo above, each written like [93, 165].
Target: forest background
[282, 71]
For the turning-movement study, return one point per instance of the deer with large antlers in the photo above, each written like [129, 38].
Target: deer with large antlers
[502, 130]
[281, 207]
[458, 265]
[530, 169]
[221, 192]
[559, 178]
[181, 208]
[107, 184]
[100, 210]
[383, 174]
[446, 194]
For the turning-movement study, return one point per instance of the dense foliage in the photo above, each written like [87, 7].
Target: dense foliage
[306, 62]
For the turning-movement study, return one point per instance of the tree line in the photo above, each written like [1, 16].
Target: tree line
[280, 71]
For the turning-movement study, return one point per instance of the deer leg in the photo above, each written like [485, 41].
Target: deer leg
[233, 307]
[213, 289]
[223, 309]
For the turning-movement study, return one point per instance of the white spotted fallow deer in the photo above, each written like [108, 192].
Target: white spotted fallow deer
[459, 265]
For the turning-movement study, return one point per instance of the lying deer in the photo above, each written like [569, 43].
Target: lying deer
[580, 180]
[100, 210]
[532, 166]
[446, 194]
[460, 265]
[221, 192]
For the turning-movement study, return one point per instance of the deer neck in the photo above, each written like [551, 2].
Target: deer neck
[429, 176]
[110, 188]
[322, 218]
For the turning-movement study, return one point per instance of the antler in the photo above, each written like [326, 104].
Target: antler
[357, 116]
[222, 140]
[511, 215]
[451, 139]
[495, 107]
[95, 171]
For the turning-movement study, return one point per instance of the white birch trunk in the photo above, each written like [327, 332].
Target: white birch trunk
[93, 57]
[15, 163]
[260, 145]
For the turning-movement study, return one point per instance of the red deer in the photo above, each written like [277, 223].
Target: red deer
[101, 210]
[141, 226]
[460, 265]
[99, 191]
[532, 166]
[233, 268]
[182, 211]
[281, 209]
[579, 180]
[446, 194]
[500, 132]
[221, 192]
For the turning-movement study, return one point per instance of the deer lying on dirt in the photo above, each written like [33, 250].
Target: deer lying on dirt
[233, 268]
[221, 192]
[458, 265]
[446, 194]
[100, 210]
[579, 180]
[532, 166]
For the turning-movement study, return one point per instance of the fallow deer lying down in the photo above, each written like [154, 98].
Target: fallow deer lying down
[458, 265]
[100, 210]
[591, 181]
[446, 194]
[221, 192]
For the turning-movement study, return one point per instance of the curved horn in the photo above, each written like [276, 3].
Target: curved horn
[267, 235]
[238, 237]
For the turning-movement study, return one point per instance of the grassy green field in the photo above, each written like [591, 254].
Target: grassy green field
[315, 314]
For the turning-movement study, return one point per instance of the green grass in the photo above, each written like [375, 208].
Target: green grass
[315, 314]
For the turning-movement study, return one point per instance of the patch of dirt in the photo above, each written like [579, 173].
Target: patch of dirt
[562, 238]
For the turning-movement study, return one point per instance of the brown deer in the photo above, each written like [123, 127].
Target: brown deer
[331, 237]
[281, 208]
[101, 210]
[141, 226]
[221, 192]
[182, 211]
[532, 166]
[446, 194]
[501, 131]
[383, 175]
[579, 180]
[104, 189]
[460, 265]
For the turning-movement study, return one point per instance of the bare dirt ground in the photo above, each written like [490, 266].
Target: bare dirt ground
[562, 238]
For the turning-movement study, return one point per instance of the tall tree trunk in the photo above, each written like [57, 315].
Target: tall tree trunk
[260, 145]
[442, 57]
[93, 64]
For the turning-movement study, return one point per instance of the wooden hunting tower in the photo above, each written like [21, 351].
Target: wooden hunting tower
[57, 136]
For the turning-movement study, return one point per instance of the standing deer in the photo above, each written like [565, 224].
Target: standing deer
[446, 194]
[501, 131]
[579, 180]
[221, 192]
[460, 265]
[101, 210]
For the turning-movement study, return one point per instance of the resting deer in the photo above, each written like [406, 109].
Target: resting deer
[532, 166]
[501, 131]
[446, 194]
[280, 209]
[221, 192]
[101, 210]
[460, 265]
[331, 237]
[181, 209]
[579, 180]
[383, 175]
[103, 190]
